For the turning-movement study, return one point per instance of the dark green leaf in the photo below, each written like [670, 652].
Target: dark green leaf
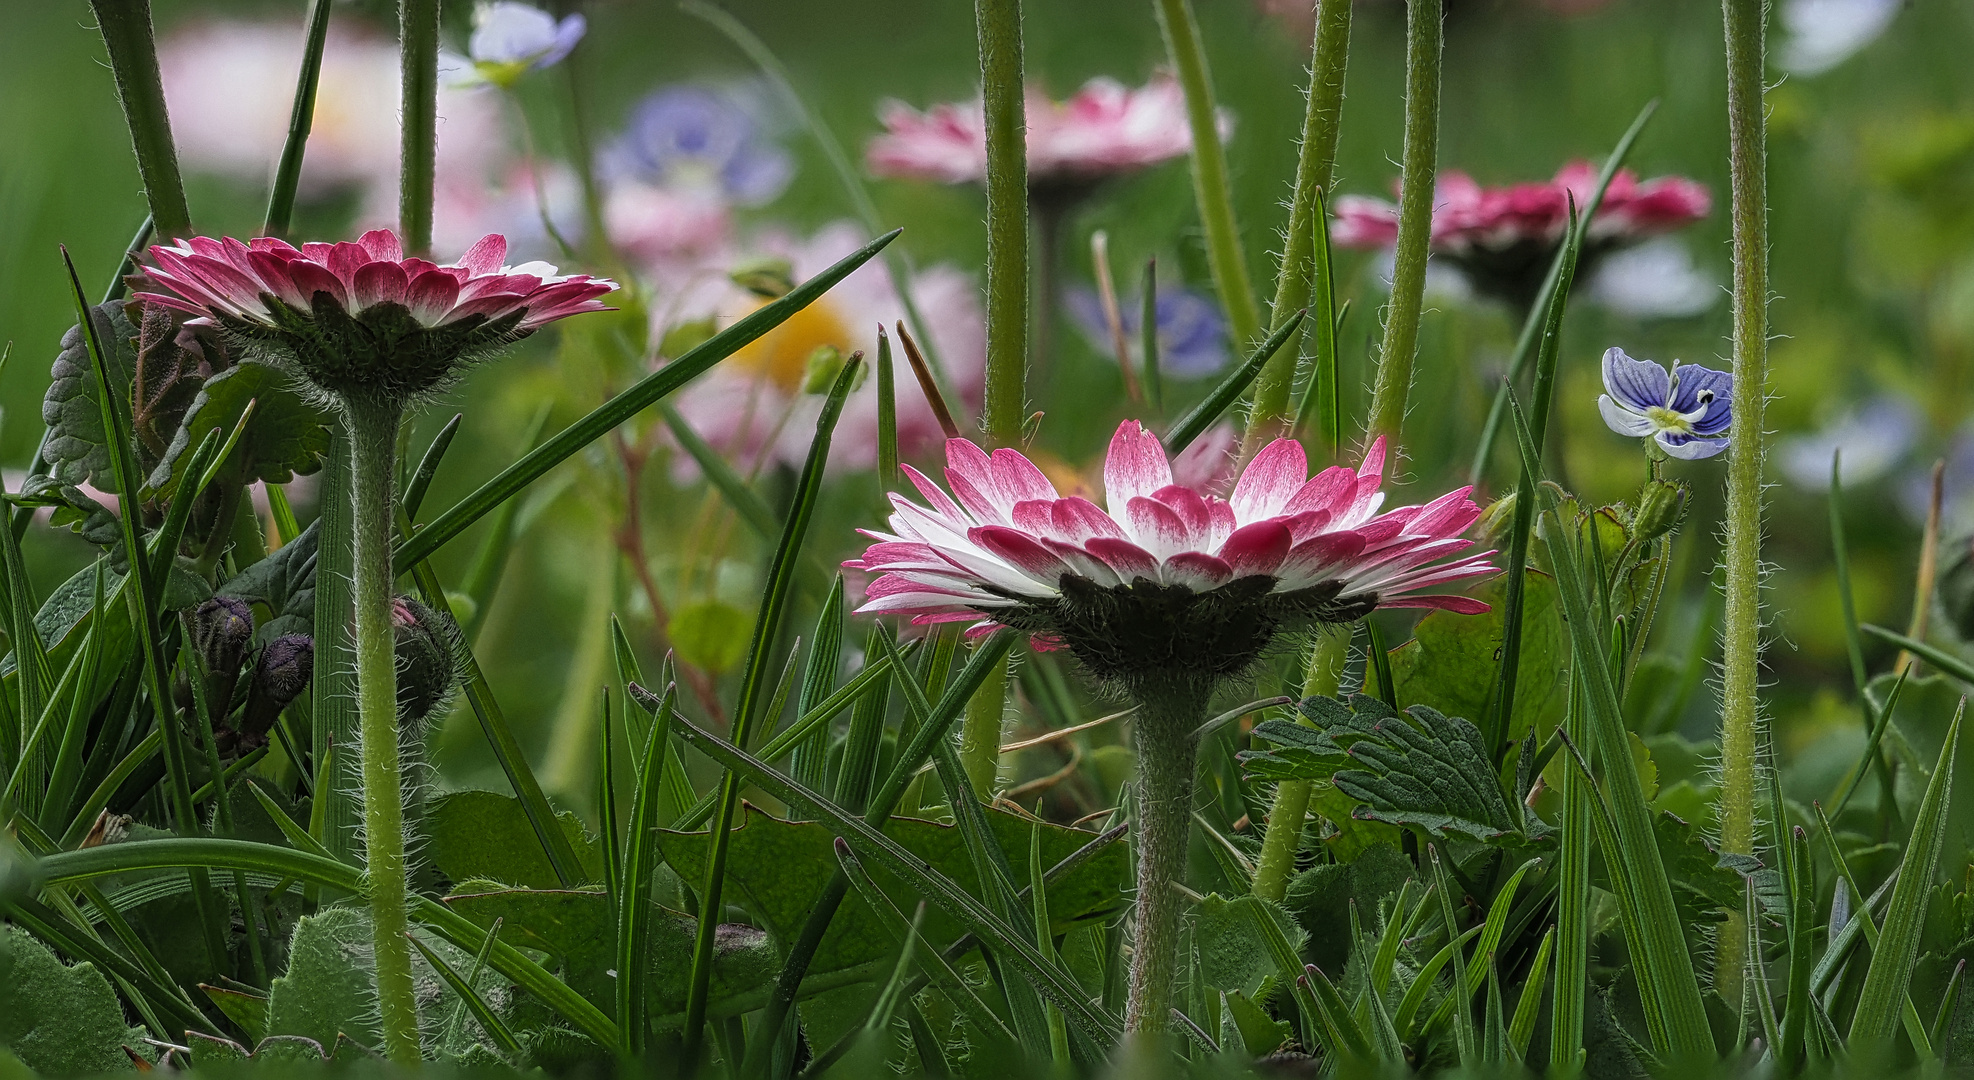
[1232, 957]
[60, 1020]
[75, 447]
[286, 436]
[483, 835]
[1452, 660]
[329, 988]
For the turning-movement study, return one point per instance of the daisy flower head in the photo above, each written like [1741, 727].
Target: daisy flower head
[1685, 412]
[511, 39]
[1165, 582]
[360, 320]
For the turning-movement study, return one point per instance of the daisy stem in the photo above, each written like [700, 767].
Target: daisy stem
[1423, 37]
[999, 25]
[1169, 711]
[373, 454]
[1740, 719]
[418, 50]
[1224, 255]
[126, 27]
[980, 732]
[1295, 282]
[1284, 834]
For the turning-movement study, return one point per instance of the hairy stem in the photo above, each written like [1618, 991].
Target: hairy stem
[1169, 711]
[1285, 817]
[1294, 283]
[333, 723]
[1423, 36]
[1224, 255]
[373, 452]
[418, 56]
[1740, 716]
[126, 27]
[999, 23]
[980, 733]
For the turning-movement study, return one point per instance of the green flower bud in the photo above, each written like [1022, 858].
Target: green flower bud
[1492, 526]
[822, 367]
[428, 648]
[1661, 505]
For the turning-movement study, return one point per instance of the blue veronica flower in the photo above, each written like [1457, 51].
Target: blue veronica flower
[1686, 411]
[511, 39]
[695, 137]
[1192, 333]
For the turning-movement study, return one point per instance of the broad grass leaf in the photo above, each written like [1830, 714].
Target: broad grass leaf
[59, 1019]
[484, 835]
[1452, 661]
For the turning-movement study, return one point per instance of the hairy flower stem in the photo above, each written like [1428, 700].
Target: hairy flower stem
[1224, 255]
[373, 453]
[1423, 37]
[1740, 715]
[418, 57]
[999, 24]
[1295, 282]
[126, 27]
[1170, 709]
[1291, 807]
[333, 722]
[980, 733]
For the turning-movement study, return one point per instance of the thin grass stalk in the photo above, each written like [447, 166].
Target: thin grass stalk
[1740, 706]
[127, 33]
[1424, 36]
[1296, 281]
[418, 58]
[1148, 332]
[999, 26]
[288, 173]
[1283, 837]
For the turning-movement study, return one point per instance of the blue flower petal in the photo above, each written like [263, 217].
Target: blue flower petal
[1635, 384]
[1695, 387]
[1688, 448]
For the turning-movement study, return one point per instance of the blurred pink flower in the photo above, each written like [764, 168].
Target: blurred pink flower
[229, 87]
[752, 406]
[1502, 238]
[468, 206]
[1104, 129]
[664, 227]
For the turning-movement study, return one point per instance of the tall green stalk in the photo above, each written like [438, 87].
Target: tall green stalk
[1423, 37]
[373, 429]
[288, 173]
[1216, 203]
[1169, 712]
[999, 25]
[1740, 709]
[1284, 833]
[418, 57]
[333, 723]
[1295, 281]
[126, 27]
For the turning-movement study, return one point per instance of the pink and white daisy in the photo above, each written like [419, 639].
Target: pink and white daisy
[1165, 578]
[1502, 238]
[1104, 129]
[361, 317]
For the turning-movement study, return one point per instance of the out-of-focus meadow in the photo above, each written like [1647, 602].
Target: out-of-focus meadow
[1872, 189]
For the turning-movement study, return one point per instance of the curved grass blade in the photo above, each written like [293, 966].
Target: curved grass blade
[1522, 1027]
[66, 774]
[811, 763]
[640, 862]
[767, 625]
[1415, 993]
[1203, 415]
[428, 466]
[490, 1021]
[652, 388]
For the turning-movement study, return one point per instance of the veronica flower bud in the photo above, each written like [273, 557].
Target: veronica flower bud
[222, 627]
[1660, 506]
[284, 670]
[428, 647]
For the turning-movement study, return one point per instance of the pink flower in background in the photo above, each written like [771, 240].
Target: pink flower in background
[1284, 549]
[1106, 128]
[468, 207]
[229, 88]
[753, 407]
[664, 228]
[1502, 239]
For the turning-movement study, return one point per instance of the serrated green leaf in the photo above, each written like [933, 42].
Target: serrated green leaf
[329, 987]
[1452, 661]
[1232, 957]
[59, 1019]
[484, 835]
[75, 447]
[73, 509]
[286, 436]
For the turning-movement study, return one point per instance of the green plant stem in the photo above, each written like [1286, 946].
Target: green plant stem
[288, 174]
[1294, 283]
[373, 454]
[1285, 817]
[126, 27]
[980, 732]
[1224, 254]
[1169, 711]
[1423, 36]
[333, 720]
[1740, 718]
[999, 25]
[418, 56]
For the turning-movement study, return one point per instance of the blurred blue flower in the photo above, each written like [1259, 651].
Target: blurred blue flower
[694, 138]
[511, 39]
[1192, 334]
[1873, 437]
[1818, 35]
[1685, 410]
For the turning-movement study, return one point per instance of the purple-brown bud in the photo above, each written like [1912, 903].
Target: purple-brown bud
[222, 627]
[285, 667]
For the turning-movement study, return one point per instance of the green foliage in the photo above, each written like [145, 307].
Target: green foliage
[286, 436]
[329, 989]
[479, 834]
[59, 1019]
[1451, 663]
[710, 634]
[77, 449]
[1231, 956]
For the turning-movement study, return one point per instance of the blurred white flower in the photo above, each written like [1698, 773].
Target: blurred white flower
[511, 39]
[1817, 35]
[1655, 280]
[229, 87]
[1874, 438]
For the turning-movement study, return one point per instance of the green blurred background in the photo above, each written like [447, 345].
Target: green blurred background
[1873, 209]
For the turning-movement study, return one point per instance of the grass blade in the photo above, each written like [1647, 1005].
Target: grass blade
[887, 417]
[818, 679]
[1148, 332]
[1320, 396]
[428, 467]
[1522, 1027]
[652, 388]
[1194, 423]
[640, 861]
[490, 1021]
[288, 173]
